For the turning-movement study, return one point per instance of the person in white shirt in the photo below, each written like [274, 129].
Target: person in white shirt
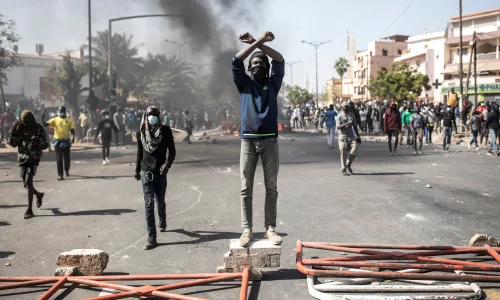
[296, 117]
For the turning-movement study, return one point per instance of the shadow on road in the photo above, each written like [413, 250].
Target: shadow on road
[206, 236]
[5, 254]
[82, 177]
[13, 206]
[4, 223]
[20, 181]
[383, 174]
[102, 212]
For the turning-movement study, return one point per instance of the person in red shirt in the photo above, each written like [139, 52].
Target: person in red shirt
[392, 126]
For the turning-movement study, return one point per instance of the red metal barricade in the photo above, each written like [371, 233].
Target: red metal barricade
[403, 257]
[126, 291]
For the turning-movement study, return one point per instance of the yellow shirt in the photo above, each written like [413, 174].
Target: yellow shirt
[84, 120]
[62, 127]
[452, 100]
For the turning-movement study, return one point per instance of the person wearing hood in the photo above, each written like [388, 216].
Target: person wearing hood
[155, 156]
[417, 123]
[63, 126]
[432, 120]
[259, 128]
[392, 126]
[349, 139]
[493, 124]
[106, 127]
[30, 139]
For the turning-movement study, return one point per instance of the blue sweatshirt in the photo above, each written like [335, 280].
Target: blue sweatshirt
[330, 116]
[259, 105]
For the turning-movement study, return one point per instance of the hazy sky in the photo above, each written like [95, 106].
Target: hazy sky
[62, 24]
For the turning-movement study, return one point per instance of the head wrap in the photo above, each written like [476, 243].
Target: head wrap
[150, 137]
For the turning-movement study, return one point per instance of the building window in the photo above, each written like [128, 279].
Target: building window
[465, 51]
[355, 90]
[384, 52]
[400, 51]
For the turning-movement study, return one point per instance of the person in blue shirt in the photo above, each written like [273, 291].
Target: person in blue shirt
[259, 128]
[330, 115]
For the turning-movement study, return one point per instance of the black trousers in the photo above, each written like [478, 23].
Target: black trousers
[62, 157]
[122, 134]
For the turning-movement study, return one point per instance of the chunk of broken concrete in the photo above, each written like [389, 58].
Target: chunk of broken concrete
[204, 134]
[207, 138]
[90, 262]
[60, 272]
[479, 240]
[213, 141]
[428, 186]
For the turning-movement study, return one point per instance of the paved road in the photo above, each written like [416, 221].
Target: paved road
[386, 202]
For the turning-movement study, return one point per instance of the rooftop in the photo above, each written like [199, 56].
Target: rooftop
[480, 14]
[396, 38]
[426, 36]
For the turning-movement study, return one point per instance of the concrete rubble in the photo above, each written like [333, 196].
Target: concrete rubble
[88, 262]
[260, 254]
[479, 240]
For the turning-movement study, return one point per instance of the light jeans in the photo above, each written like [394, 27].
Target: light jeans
[493, 144]
[251, 149]
[346, 147]
[331, 135]
[446, 136]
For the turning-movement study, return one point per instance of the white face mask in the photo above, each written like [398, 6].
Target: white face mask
[153, 120]
[106, 117]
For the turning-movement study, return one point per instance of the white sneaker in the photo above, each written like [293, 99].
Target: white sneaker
[104, 162]
[478, 148]
[107, 160]
[468, 145]
[419, 152]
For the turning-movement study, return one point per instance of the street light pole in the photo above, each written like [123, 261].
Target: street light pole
[179, 45]
[461, 66]
[291, 70]
[199, 67]
[316, 45]
[90, 48]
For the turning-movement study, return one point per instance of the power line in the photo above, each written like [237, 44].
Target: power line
[402, 13]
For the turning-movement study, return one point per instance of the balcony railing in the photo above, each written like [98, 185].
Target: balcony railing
[484, 56]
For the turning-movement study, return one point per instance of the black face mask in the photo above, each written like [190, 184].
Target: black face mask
[259, 73]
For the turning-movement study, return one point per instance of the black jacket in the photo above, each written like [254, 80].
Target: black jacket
[153, 161]
[492, 122]
[449, 119]
[104, 127]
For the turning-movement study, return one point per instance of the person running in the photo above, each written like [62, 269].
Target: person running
[154, 142]
[63, 126]
[349, 139]
[449, 122]
[259, 128]
[188, 127]
[330, 116]
[475, 125]
[493, 125]
[105, 128]
[30, 139]
[84, 124]
[417, 128]
[405, 120]
[392, 126]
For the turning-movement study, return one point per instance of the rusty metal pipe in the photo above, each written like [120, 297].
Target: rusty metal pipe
[223, 277]
[108, 285]
[493, 253]
[244, 284]
[54, 288]
[120, 295]
[394, 246]
[169, 295]
[27, 283]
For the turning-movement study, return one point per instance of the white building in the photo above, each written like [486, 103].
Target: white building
[426, 54]
[487, 26]
[26, 80]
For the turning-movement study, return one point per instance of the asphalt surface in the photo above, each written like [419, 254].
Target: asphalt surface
[102, 207]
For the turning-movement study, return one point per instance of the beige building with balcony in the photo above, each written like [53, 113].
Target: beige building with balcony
[334, 89]
[486, 24]
[378, 55]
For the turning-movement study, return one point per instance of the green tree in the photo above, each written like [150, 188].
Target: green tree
[125, 59]
[341, 66]
[8, 49]
[398, 82]
[64, 81]
[297, 95]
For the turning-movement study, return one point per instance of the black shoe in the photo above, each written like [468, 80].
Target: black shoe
[60, 178]
[344, 173]
[151, 244]
[39, 200]
[28, 214]
[349, 170]
[67, 174]
[163, 226]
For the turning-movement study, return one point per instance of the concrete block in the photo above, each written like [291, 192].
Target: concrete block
[60, 272]
[260, 254]
[479, 240]
[90, 262]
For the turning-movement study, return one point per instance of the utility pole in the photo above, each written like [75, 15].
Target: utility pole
[179, 45]
[199, 67]
[316, 45]
[291, 70]
[461, 66]
[90, 48]
[475, 69]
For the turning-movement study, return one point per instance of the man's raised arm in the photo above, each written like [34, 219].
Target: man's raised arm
[254, 44]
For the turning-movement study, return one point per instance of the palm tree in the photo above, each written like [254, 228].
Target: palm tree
[341, 66]
[126, 62]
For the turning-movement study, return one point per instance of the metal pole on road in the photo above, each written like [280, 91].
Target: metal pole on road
[316, 45]
[90, 47]
[461, 66]
[291, 70]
